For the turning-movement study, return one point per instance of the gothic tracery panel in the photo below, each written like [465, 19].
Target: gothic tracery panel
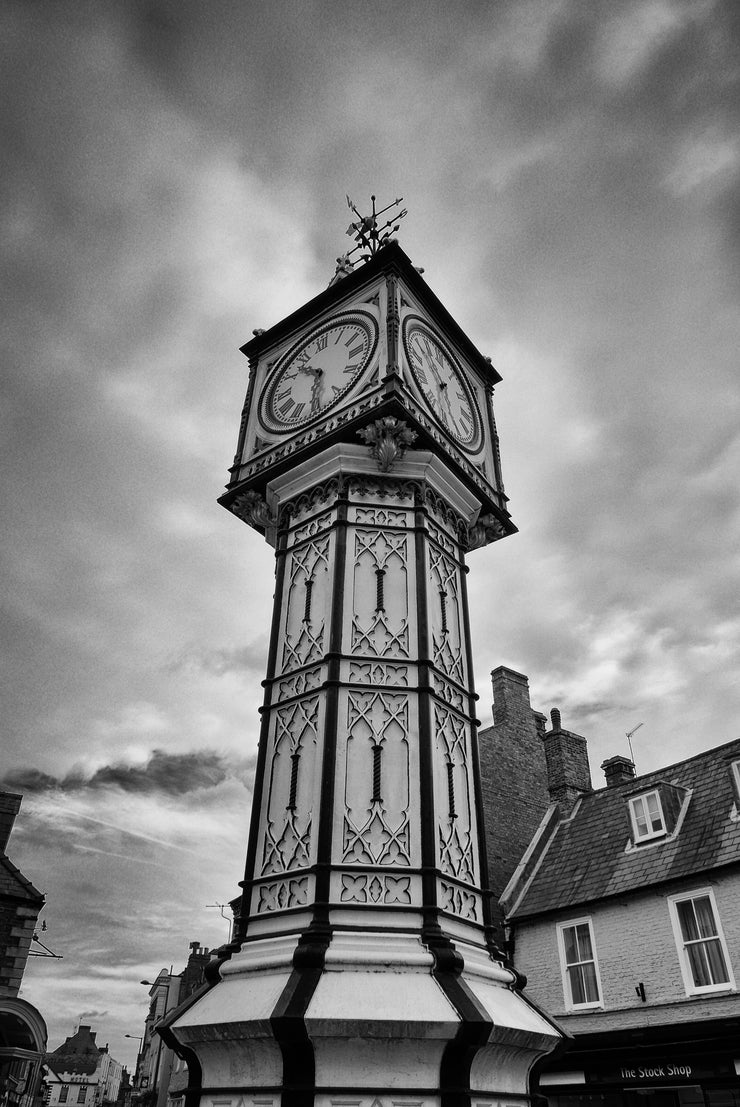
[307, 601]
[282, 894]
[287, 833]
[379, 673]
[375, 888]
[444, 603]
[453, 771]
[376, 788]
[380, 619]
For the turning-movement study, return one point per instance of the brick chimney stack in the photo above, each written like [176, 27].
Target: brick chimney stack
[618, 770]
[513, 777]
[568, 772]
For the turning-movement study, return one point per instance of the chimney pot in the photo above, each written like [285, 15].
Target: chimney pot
[555, 716]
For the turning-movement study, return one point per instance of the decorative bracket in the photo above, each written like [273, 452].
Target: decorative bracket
[388, 438]
[251, 508]
[487, 528]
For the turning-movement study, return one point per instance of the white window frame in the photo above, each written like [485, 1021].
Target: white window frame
[649, 834]
[570, 1003]
[691, 988]
[736, 776]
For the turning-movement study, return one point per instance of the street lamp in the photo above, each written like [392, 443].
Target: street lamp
[140, 1039]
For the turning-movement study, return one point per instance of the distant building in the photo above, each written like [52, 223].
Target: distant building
[80, 1072]
[162, 1076]
[624, 913]
[22, 1029]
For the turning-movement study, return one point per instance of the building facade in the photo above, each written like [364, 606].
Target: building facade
[162, 1076]
[80, 1073]
[22, 1029]
[624, 913]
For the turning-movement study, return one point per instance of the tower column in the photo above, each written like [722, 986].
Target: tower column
[366, 967]
[365, 973]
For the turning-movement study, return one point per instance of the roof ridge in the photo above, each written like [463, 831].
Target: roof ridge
[635, 780]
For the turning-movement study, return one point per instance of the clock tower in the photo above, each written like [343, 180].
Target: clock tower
[365, 971]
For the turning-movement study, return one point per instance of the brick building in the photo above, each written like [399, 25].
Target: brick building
[524, 768]
[624, 913]
[22, 1029]
[81, 1072]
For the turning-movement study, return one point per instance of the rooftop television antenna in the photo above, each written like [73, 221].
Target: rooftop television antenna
[629, 740]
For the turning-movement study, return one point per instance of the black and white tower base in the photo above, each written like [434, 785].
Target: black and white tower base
[367, 974]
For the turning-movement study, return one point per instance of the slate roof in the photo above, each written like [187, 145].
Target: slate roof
[15, 885]
[584, 858]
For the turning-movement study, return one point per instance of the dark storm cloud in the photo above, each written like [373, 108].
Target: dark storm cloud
[165, 773]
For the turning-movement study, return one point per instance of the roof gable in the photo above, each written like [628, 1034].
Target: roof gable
[15, 885]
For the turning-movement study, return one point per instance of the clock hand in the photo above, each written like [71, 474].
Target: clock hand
[444, 399]
[317, 387]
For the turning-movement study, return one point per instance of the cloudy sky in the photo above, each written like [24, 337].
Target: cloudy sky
[174, 176]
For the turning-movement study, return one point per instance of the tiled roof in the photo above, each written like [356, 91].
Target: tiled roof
[586, 858]
[14, 883]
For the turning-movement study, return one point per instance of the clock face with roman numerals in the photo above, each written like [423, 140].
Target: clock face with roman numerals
[318, 371]
[442, 383]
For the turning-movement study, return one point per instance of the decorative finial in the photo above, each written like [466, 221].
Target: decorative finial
[367, 234]
[388, 438]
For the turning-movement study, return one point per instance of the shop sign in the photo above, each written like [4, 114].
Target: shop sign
[660, 1071]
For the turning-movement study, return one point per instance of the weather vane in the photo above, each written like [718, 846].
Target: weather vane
[366, 232]
[369, 236]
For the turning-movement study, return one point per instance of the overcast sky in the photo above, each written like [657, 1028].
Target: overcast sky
[174, 176]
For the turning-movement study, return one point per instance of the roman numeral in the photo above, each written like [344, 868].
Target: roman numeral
[353, 353]
[322, 342]
[285, 408]
[340, 332]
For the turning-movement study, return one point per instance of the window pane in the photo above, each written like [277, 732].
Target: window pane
[590, 986]
[656, 821]
[705, 917]
[640, 817]
[583, 936]
[577, 985]
[717, 966]
[687, 919]
[698, 965]
[571, 947]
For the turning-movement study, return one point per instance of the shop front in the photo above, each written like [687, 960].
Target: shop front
[690, 1065]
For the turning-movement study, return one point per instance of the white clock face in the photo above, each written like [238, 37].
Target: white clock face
[314, 374]
[442, 384]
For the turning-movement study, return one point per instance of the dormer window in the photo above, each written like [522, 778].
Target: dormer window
[647, 816]
[736, 777]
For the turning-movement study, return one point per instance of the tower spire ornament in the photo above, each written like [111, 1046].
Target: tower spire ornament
[365, 230]
[364, 968]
